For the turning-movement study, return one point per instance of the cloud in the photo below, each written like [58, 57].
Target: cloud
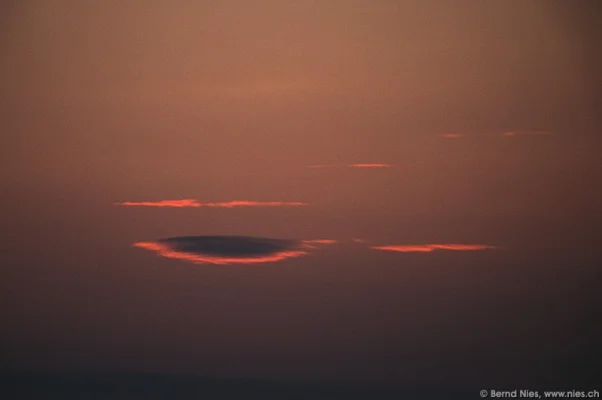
[452, 135]
[405, 248]
[526, 133]
[223, 250]
[427, 248]
[312, 242]
[224, 204]
[371, 165]
[324, 166]
[350, 166]
[247, 203]
[462, 247]
[161, 203]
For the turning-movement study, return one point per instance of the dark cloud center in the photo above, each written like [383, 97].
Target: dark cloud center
[237, 246]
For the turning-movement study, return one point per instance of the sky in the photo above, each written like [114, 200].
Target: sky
[341, 191]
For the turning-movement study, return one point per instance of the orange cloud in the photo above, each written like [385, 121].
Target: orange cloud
[405, 248]
[223, 250]
[225, 204]
[452, 135]
[162, 203]
[350, 166]
[525, 133]
[321, 241]
[247, 203]
[165, 250]
[310, 243]
[323, 166]
[371, 165]
[427, 248]
[462, 247]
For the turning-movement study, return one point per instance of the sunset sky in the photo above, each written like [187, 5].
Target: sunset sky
[399, 191]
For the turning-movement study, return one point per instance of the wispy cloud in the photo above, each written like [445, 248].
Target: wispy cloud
[367, 165]
[462, 247]
[224, 250]
[325, 166]
[310, 243]
[161, 203]
[452, 135]
[247, 203]
[223, 204]
[405, 248]
[427, 248]
[371, 165]
[526, 133]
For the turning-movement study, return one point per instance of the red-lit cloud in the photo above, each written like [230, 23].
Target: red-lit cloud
[224, 250]
[162, 203]
[376, 165]
[166, 251]
[405, 248]
[427, 248]
[247, 203]
[371, 165]
[462, 247]
[224, 204]
[324, 166]
[526, 133]
[311, 242]
[452, 135]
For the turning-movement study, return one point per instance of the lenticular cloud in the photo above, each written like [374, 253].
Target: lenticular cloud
[223, 250]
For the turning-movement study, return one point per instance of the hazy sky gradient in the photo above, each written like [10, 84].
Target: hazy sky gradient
[106, 102]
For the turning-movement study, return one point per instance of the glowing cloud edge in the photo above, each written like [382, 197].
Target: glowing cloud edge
[224, 204]
[166, 251]
[427, 248]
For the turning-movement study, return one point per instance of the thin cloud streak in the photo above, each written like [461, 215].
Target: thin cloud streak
[224, 204]
[405, 248]
[161, 203]
[452, 135]
[371, 165]
[247, 203]
[366, 165]
[526, 133]
[310, 243]
[427, 248]
[325, 166]
[462, 247]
